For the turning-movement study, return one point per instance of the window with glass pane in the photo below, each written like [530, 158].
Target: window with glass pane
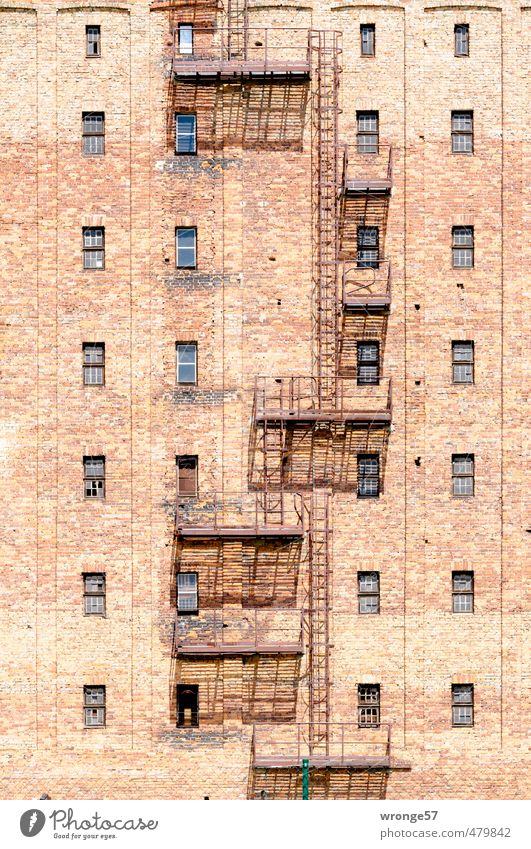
[93, 40]
[93, 363]
[94, 133]
[368, 592]
[186, 38]
[463, 592]
[368, 705]
[187, 592]
[368, 247]
[94, 593]
[367, 135]
[463, 474]
[187, 362]
[368, 363]
[367, 33]
[461, 39]
[368, 475]
[462, 132]
[93, 247]
[187, 476]
[94, 474]
[186, 247]
[463, 362]
[94, 706]
[462, 704]
[185, 133]
[463, 247]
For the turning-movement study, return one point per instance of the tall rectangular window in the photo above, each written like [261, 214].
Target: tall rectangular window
[93, 363]
[368, 371]
[93, 247]
[93, 40]
[463, 247]
[94, 593]
[462, 704]
[368, 247]
[94, 477]
[461, 39]
[93, 133]
[94, 706]
[369, 592]
[185, 36]
[187, 476]
[368, 475]
[185, 133]
[186, 241]
[463, 362]
[463, 592]
[463, 474]
[368, 705]
[186, 362]
[187, 597]
[367, 132]
[367, 37]
[463, 132]
[187, 705]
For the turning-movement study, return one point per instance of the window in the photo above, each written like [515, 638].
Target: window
[368, 247]
[94, 593]
[369, 592]
[461, 39]
[187, 592]
[462, 132]
[187, 476]
[463, 592]
[368, 475]
[186, 38]
[367, 34]
[463, 247]
[186, 238]
[93, 247]
[93, 133]
[93, 363]
[463, 474]
[462, 704]
[93, 39]
[186, 362]
[187, 705]
[185, 133]
[94, 473]
[463, 362]
[94, 706]
[368, 705]
[368, 363]
[367, 136]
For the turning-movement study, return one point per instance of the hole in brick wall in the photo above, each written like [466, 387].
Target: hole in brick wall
[417, 383]
[279, 302]
[272, 259]
[417, 306]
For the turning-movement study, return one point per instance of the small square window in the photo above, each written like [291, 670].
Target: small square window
[186, 362]
[185, 132]
[461, 39]
[462, 132]
[187, 476]
[463, 247]
[369, 592]
[187, 705]
[463, 474]
[94, 477]
[463, 362]
[94, 706]
[93, 41]
[368, 366]
[93, 248]
[368, 475]
[94, 593]
[93, 363]
[367, 37]
[368, 252]
[185, 38]
[462, 704]
[187, 595]
[368, 705]
[186, 241]
[93, 133]
[463, 592]
[367, 132]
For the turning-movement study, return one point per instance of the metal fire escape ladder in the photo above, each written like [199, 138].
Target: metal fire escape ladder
[318, 621]
[238, 29]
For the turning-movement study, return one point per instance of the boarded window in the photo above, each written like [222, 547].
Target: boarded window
[187, 476]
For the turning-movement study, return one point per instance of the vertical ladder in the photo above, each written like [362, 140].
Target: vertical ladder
[318, 620]
[238, 23]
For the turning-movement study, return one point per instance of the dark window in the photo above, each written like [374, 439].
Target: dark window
[94, 133]
[94, 474]
[186, 38]
[186, 362]
[463, 247]
[369, 592]
[187, 705]
[368, 705]
[463, 474]
[367, 34]
[187, 476]
[368, 247]
[187, 599]
[462, 132]
[93, 39]
[186, 239]
[94, 706]
[463, 362]
[462, 704]
[367, 135]
[93, 363]
[461, 39]
[93, 247]
[463, 592]
[94, 593]
[368, 475]
[368, 362]
[185, 133]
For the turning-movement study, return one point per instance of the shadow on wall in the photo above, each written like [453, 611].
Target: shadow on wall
[324, 784]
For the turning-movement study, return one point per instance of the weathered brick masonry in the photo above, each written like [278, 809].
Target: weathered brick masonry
[252, 306]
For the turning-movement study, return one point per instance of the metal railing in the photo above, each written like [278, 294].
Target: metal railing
[295, 396]
[263, 48]
[363, 284]
[231, 510]
[346, 742]
[258, 629]
[367, 163]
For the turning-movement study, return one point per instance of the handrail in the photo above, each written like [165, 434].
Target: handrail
[345, 740]
[380, 279]
[216, 44]
[253, 510]
[296, 395]
[255, 627]
[372, 161]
